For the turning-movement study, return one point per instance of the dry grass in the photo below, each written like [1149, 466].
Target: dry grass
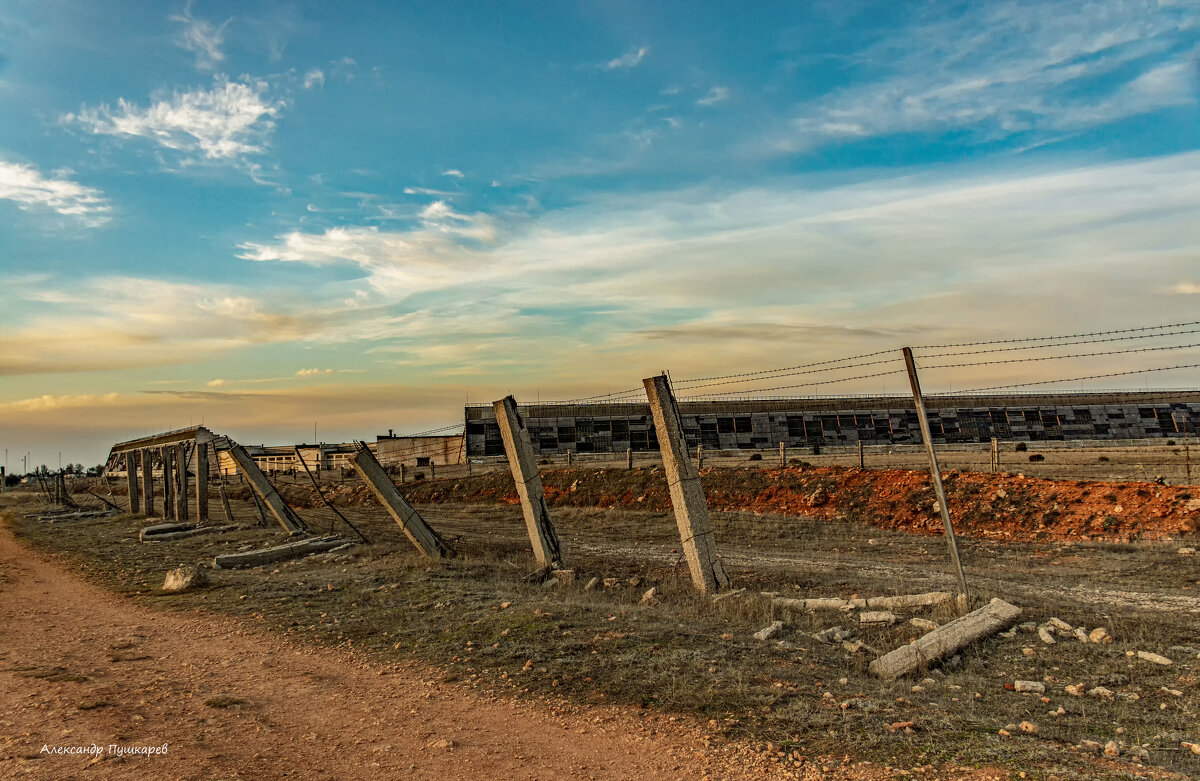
[688, 655]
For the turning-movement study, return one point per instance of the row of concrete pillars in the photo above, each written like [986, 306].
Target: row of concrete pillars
[174, 460]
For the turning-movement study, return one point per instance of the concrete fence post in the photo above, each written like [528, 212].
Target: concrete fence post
[687, 493]
[568, 459]
[782, 455]
[523, 463]
[699, 457]
[181, 483]
[629, 458]
[131, 481]
[264, 492]
[147, 457]
[862, 458]
[167, 455]
[418, 532]
[935, 473]
[995, 454]
[201, 482]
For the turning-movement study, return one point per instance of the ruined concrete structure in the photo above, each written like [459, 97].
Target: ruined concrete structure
[877, 420]
[420, 451]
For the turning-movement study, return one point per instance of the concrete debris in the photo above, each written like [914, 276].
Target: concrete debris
[1033, 687]
[1075, 690]
[1058, 623]
[1147, 656]
[727, 594]
[1080, 634]
[1111, 749]
[767, 633]
[1046, 634]
[612, 582]
[877, 618]
[1100, 693]
[1100, 636]
[833, 635]
[923, 624]
[650, 597]
[1186, 551]
[564, 576]
[592, 584]
[1029, 728]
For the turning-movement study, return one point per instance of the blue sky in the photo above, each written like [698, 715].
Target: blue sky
[267, 215]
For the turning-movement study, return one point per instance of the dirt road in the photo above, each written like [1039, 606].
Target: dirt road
[81, 668]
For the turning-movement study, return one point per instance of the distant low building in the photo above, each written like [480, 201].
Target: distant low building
[392, 450]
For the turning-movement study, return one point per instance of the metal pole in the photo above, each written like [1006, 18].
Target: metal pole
[936, 474]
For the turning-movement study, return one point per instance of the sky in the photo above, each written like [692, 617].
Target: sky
[282, 218]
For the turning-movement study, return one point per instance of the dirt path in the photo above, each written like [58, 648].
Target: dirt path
[81, 667]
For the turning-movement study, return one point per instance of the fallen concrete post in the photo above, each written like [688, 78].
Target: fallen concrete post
[901, 602]
[131, 482]
[266, 493]
[163, 528]
[687, 494]
[193, 532]
[523, 463]
[418, 532]
[291, 550]
[994, 617]
[73, 516]
[147, 457]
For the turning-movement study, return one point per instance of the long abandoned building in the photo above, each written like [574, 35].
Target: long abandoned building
[830, 422]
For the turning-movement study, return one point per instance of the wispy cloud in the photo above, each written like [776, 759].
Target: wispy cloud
[1002, 69]
[314, 78]
[630, 59]
[457, 174]
[31, 190]
[202, 38]
[313, 372]
[714, 96]
[1186, 288]
[229, 122]
[215, 383]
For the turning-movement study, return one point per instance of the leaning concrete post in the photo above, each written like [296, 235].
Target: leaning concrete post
[687, 494]
[523, 462]
[131, 480]
[147, 456]
[201, 482]
[265, 492]
[168, 471]
[411, 523]
[181, 483]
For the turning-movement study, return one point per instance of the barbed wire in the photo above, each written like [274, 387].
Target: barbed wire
[1064, 379]
[1060, 357]
[795, 385]
[1057, 338]
[765, 372]
[1061, 344]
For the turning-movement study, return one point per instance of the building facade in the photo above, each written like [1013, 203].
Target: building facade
[880, 420]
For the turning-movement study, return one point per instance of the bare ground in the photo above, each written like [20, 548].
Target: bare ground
[82, 667]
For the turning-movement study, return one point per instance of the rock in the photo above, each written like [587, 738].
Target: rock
[1090, 746]
[1036, 687]
[1101, 693]
[1028, 727]
[1058, 623]
[1080, 634]
[877, 618]
[592, 584]
[901, 725]
[185, 578]
[923, 623]
[1100, 636]
[1186, 551]
[1172, 692]
[635, 581]
[650, 597]
[818, 497]
[564, 576]
[1147, 656]
[612, 582]
[1192, 747]
[1075, 690]
[1128, 696]
[551, 583]
[1047, 637]
[444, 744]
[766, 633]
[832, 635]
[1029, 652]
[1111, 749]
[1004, 733]
[1193, 506]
